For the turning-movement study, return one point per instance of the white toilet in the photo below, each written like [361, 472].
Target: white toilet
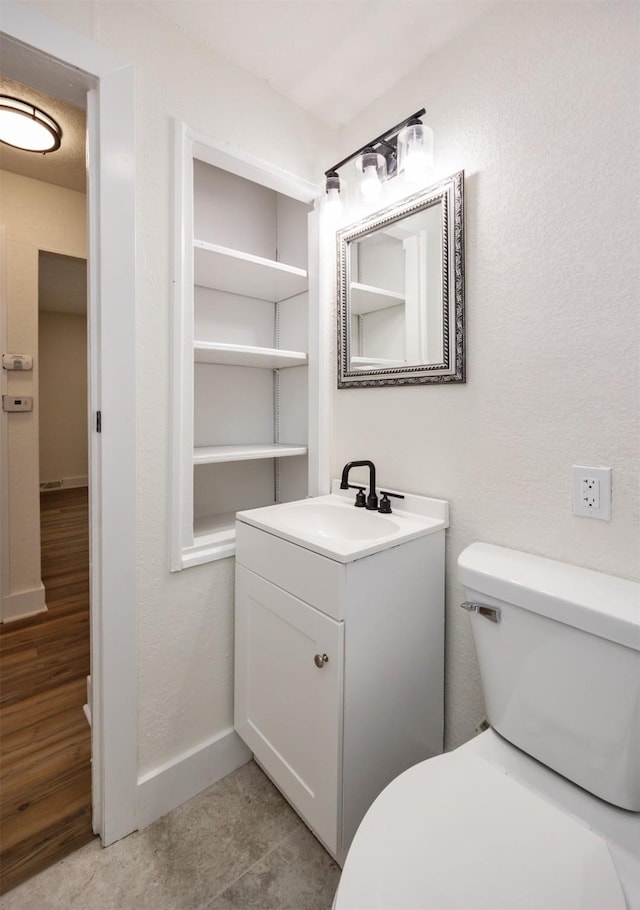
[543, 810]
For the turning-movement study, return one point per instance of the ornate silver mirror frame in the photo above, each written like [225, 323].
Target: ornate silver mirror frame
[430, 271]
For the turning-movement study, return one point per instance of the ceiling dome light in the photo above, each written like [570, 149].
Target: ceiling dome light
[415, 150]
[24, 126]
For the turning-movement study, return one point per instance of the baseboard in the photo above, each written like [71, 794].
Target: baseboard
[24, 603]
[69, 482]
[167, 787]
[64, 483]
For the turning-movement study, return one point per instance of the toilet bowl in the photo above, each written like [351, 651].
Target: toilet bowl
[489, 825]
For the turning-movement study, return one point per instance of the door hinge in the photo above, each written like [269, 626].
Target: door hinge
[98, 421]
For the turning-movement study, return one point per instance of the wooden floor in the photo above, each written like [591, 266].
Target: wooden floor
[45, 746]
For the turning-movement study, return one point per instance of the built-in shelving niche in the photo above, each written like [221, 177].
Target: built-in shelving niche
[241, 395]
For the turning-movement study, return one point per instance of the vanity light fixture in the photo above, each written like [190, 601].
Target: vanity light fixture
[415, 149]
[407, 147]
[332, 188]
[27, 127]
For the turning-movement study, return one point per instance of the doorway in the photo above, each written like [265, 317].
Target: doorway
[45, 737]
[44, 54]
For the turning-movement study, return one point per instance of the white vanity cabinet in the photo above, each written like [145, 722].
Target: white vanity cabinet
[338, 670]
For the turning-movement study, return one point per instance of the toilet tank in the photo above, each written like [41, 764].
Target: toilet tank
[561, 668]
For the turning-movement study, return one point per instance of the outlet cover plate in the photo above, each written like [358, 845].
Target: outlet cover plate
[592, 492]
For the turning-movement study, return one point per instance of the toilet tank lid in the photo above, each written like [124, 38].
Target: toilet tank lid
[604, 605]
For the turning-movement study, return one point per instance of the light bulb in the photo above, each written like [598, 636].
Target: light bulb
[416, 164]
[333, 202]
[370, 186]
[415, 151]
[371, 168]
[332, 198]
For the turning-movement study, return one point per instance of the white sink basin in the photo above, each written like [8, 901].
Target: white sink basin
[333, 521]
[333, 526]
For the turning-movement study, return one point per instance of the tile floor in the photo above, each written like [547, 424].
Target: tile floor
[236, 846]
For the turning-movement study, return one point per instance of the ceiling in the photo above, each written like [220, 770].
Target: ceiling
[330, 57]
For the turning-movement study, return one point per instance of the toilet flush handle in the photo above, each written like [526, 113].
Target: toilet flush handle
[493, 614]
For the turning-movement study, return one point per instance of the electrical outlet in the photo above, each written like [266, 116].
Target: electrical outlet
[592, 492]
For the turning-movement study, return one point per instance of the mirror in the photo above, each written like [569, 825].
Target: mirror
[401, 292]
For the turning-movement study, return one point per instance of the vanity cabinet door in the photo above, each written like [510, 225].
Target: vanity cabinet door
[288, 698]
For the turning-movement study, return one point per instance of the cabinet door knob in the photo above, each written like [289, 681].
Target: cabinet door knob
[320, 660]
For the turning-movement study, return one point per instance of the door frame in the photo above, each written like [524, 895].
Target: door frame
[42, 53]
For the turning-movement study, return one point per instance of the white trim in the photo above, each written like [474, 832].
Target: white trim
[215, 547]
[114, 664]
[322, 321]
[5, 543]
[170, 785]
[237, 161]
[63, 62]
[181, 354]
[23, 603]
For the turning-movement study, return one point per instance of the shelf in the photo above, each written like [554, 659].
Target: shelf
[241, 273]
[219, 454]
[368, 299]
[214, 537]
[244, 355]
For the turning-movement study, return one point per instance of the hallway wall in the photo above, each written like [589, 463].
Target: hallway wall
[62, 343]
[38, 216]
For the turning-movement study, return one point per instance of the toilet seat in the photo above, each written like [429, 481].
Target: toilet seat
[459, 832]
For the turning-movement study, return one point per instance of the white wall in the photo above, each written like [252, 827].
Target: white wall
[62, 346]
[539, 104]
[38, 216]
[185, 619]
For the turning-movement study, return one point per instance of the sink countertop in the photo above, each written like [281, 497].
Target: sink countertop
[332, 526]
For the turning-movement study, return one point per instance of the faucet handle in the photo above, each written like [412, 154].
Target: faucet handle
[385, 505]
[360, 497]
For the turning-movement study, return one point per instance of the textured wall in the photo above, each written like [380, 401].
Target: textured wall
[539, 105]
[185, 619]
[62, 347]
[37, 216]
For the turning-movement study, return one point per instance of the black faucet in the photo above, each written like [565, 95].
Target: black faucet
[372, 499]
